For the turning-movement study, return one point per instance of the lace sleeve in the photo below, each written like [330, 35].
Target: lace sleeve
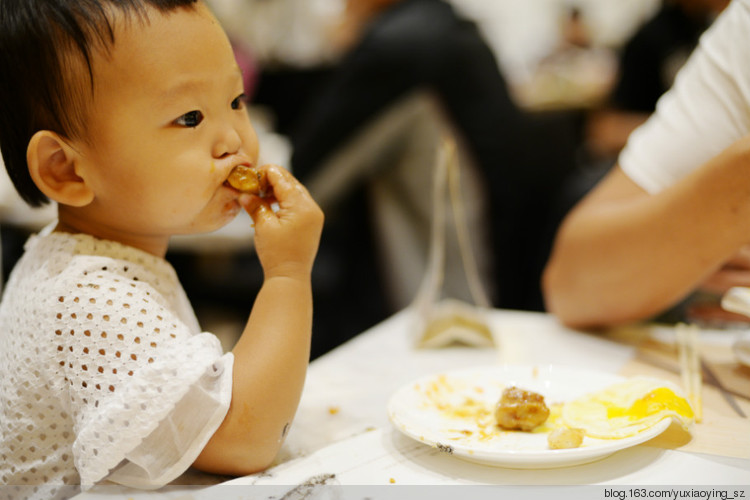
[145, 392]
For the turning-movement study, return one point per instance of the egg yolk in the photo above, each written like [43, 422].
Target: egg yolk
[661, 399]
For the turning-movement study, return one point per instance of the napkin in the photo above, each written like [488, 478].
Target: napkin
[453, 322]
[737, 300]
[741, 348]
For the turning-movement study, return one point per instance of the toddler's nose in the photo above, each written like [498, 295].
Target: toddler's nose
[229, 142]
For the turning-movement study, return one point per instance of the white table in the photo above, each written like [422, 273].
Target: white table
[343, 446]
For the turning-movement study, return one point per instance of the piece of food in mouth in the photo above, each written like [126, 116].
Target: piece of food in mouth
[519, 409]
[248, 180]
[563, 438]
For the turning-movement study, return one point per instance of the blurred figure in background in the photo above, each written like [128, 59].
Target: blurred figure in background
[648, 63]
[647, 68]
[398, 47]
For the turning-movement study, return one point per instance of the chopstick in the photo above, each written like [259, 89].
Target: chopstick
[710, 377]
[690, 367]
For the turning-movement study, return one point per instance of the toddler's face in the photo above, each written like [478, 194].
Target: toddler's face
[166, 126]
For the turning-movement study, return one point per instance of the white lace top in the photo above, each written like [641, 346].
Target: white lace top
[104, 372]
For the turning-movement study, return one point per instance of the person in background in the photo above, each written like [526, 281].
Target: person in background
[392, 48]
[674, 211]
[102, 361]
[648, 64]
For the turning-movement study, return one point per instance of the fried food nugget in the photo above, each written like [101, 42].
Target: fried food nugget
[564, 438]
[519, 409]
[248, 180]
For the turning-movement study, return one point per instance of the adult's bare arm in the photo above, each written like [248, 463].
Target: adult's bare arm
[624, 255]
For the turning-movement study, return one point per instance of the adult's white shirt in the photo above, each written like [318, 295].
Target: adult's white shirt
[707, 109]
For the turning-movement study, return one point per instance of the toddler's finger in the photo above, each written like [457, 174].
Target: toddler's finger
[285, 185]
[262, 213]
[256, 206]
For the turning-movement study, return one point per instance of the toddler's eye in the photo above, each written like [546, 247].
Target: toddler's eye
[190, 119]
[239, 101]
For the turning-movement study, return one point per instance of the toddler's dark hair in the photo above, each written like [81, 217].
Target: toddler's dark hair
[40, 42]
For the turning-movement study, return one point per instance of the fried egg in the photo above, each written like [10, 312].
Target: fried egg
[626, 408]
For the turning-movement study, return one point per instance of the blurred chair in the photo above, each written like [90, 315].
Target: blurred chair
[17, 222]
[394, 156]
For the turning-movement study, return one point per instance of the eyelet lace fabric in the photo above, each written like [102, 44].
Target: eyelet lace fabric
[104, 372]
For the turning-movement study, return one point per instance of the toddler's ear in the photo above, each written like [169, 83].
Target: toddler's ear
[52, 165]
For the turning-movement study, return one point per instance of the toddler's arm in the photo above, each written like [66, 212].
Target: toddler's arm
[272, 355]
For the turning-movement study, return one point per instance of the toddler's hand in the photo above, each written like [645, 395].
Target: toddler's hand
[286, 240]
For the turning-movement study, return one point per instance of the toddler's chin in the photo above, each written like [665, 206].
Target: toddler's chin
[229, 211]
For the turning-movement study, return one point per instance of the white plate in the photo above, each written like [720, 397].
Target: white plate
[413, 409]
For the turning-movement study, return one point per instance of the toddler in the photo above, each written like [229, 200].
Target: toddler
[130, 115]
